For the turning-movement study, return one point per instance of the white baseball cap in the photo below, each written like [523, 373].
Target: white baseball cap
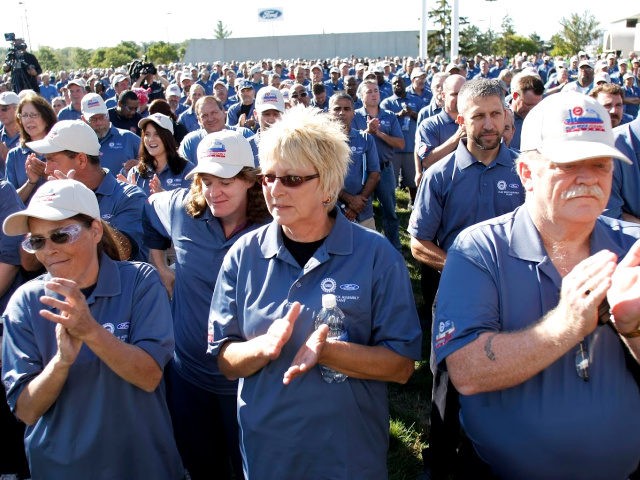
[55, 200]
[601, 77]
[269, 98]
[93, 104]
[77, 81]
[569, 127]
[73, 135]
[9, 98]
[159, 119]
[223, 154]
[173, 89]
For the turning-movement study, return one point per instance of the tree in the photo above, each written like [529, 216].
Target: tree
[577, 32]
[162, 52]
[472, 41]
[48, 59]
[440, 15]
[221, 31]
[81, 57]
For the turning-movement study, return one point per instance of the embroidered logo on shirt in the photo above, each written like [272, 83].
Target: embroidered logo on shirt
[446, 330]
[110, 327]
[507, 189]
[349, 287]
[328, 285]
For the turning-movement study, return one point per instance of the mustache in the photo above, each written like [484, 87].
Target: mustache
[583, 190]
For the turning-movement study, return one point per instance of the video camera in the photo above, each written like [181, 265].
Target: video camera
[141, 67]
[15, 53]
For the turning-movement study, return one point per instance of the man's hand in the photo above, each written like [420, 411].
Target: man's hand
[583, 290]
[308, 354]
[60, 175]
[624, 294]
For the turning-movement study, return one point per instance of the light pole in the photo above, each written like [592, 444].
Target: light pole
[26, 22]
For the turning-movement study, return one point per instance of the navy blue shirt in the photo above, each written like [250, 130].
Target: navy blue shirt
[117, 147]
[388, 124]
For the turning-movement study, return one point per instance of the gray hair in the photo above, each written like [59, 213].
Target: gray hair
[480, 87]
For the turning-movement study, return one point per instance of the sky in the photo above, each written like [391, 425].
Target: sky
[94, 24]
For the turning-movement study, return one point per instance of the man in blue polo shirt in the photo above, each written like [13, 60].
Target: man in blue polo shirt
[73, 145]
[364, 170]
[241, 113]
[10, 131]
[77, 90]
[119, 148]
[385, 128]
[476, 182]
[47, 90]
[188, 117]
[438, 136]
[543, 348]
[406, 107]
[212, 119]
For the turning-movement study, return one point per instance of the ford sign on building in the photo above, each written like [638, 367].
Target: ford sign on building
[269, 14]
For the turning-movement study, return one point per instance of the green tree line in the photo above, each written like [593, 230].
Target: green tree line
[71, 58]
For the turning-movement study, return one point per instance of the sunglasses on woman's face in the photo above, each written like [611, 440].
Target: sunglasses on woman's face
[68, 234]
[286, 180]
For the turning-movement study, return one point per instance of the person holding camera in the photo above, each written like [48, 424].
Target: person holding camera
[24, 66]
[145, 75]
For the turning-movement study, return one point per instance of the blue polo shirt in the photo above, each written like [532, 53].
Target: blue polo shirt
[117, 147]
[517, 131]
[433, 132]
[632, 92]
[364, 160]
[100, 426]
[388, 124]
[48, 91]
[408, 125]
[428, 111]
[189, 119]
[626, 178]
[200, 246]
[460, 191]
[544, 427]
[9, 245]
[168, 179]
[189, 145]
[15, 173]
[233, 114]
[426, 95]
[121, 205]
[282, 428]
[69, 113]
[10, 142]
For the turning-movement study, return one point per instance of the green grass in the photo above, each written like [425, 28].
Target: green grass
[409, 404]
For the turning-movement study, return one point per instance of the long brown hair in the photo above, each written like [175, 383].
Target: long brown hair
[147, 163]
[257, 211]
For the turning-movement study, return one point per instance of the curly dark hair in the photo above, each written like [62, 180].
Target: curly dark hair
[147, 164]
[257, 211]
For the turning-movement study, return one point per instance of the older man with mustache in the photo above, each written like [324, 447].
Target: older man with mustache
[544, 344]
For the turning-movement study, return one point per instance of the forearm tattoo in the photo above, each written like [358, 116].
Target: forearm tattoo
[488, 350]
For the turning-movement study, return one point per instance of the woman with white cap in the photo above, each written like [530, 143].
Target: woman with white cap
[203, 222]
[85, 345]
[160, 166]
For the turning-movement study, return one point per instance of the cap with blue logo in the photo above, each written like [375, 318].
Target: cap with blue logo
[223, 154]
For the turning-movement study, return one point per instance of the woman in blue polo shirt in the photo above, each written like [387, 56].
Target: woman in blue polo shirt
[203, 222]
[160, 166]
[294, 425]
[85, 346]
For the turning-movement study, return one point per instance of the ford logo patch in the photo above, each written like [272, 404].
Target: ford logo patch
[350, 287]
[270, 14]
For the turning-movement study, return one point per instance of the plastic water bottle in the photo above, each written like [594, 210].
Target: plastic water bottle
[332, 316]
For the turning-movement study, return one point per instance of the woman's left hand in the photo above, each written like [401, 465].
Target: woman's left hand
[74, 314]
[308, 354]
[155, 185]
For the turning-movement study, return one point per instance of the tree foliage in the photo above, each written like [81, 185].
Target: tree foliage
[440, 16]
[221, 31]
[48, 58]
[162, 52]
[577, 33]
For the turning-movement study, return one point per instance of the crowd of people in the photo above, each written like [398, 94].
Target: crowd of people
[168, 238]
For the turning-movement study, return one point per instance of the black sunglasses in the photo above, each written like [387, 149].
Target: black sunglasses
[68, 234]
[301, 94]
[286, 180]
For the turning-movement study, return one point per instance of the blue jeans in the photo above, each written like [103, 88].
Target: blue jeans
[386, 195]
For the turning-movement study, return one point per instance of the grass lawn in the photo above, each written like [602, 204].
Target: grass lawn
[409, 404]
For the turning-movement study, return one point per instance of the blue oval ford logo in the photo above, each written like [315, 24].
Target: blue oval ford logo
[270, 14]
[350, 287]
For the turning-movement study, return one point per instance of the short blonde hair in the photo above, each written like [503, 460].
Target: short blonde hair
[311, 138]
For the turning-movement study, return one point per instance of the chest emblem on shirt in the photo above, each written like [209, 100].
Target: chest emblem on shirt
[328, 285]
[446, 330]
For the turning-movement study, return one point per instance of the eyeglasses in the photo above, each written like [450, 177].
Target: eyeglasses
[68, 234]
[286, 180]
[29, 115]
[130, 108]
[301, 94]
